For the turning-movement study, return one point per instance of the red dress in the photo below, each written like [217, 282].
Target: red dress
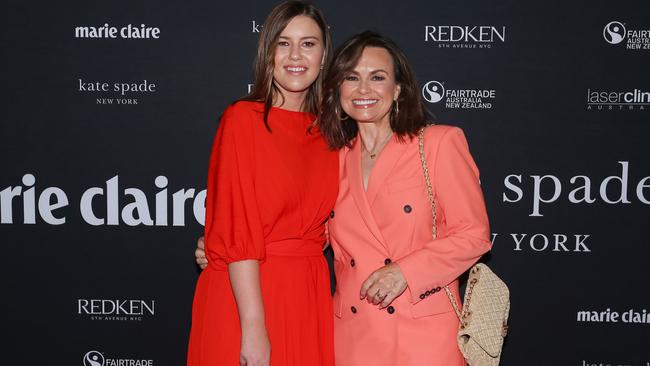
[269, 194]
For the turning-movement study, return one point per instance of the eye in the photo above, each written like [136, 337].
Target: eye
[309, 44]
[351, 78]
[283, 43]
[378, 78]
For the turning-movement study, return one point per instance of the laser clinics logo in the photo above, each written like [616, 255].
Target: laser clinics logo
[617, 33]
[464, 36]
[627, 99]
[456, 98]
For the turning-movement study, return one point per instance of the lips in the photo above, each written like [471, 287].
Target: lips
[364, 103]
[296, 70]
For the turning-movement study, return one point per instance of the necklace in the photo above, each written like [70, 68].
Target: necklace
[378, 147]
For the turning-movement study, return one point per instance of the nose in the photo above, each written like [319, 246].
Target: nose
[363, 86]
[294, 53]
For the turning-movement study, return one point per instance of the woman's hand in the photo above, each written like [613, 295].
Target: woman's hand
[201, 259]
[327, 235]
[384, 285]
[255, 346]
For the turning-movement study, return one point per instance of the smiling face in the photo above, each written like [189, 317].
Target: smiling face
[368, 91]
[298, 57]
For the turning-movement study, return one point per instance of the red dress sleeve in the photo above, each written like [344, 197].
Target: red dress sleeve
[233, 227]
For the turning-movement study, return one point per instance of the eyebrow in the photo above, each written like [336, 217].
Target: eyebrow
[372, 72]
[303, 38]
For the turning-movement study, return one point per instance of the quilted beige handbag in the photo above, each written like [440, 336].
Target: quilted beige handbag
[484, 318]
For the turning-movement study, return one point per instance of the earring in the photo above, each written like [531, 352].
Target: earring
[396, 107]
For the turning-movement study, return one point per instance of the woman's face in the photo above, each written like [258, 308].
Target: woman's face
[298, 55]
[368, 91]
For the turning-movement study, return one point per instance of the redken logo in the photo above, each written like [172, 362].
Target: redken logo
[464, 36]
[116, 309]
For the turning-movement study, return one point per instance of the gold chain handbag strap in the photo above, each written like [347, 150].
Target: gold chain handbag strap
[434, 231]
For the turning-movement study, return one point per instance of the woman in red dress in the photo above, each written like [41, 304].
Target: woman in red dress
[272, 182]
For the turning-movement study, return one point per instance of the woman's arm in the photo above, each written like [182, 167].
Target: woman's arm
[455, 180]
[245, 282]
[234, 238]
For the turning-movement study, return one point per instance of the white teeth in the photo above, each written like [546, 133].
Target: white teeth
[364, 101]
[296, 69]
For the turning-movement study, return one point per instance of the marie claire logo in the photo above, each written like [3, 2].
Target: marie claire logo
[435, 91]
[610, 316]
[464, 36]
[109, 203]
[119, 93]
[118, 309]
[634, 99]
[616, 32]
[96, 358]
[107, 31]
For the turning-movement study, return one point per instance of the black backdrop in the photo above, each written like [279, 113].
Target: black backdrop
[101, 190]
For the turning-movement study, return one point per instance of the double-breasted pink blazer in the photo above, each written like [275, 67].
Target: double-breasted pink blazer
[391, 222]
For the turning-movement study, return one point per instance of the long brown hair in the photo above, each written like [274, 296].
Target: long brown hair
[339, 130]
[264, 90]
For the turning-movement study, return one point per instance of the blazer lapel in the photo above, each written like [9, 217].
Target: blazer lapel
[386, 161]
[353, 164]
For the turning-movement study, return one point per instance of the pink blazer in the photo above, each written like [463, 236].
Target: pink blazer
[391, 222]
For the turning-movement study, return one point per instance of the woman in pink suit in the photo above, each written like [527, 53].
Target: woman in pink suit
[389, 308]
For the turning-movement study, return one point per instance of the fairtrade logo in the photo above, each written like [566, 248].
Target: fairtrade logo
[614, 32]
[433, 91]
[93, 358]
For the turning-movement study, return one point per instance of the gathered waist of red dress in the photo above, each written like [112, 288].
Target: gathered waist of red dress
[295, 248]
[281, 248]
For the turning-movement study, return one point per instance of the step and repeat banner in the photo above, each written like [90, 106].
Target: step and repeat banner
[108, 115]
